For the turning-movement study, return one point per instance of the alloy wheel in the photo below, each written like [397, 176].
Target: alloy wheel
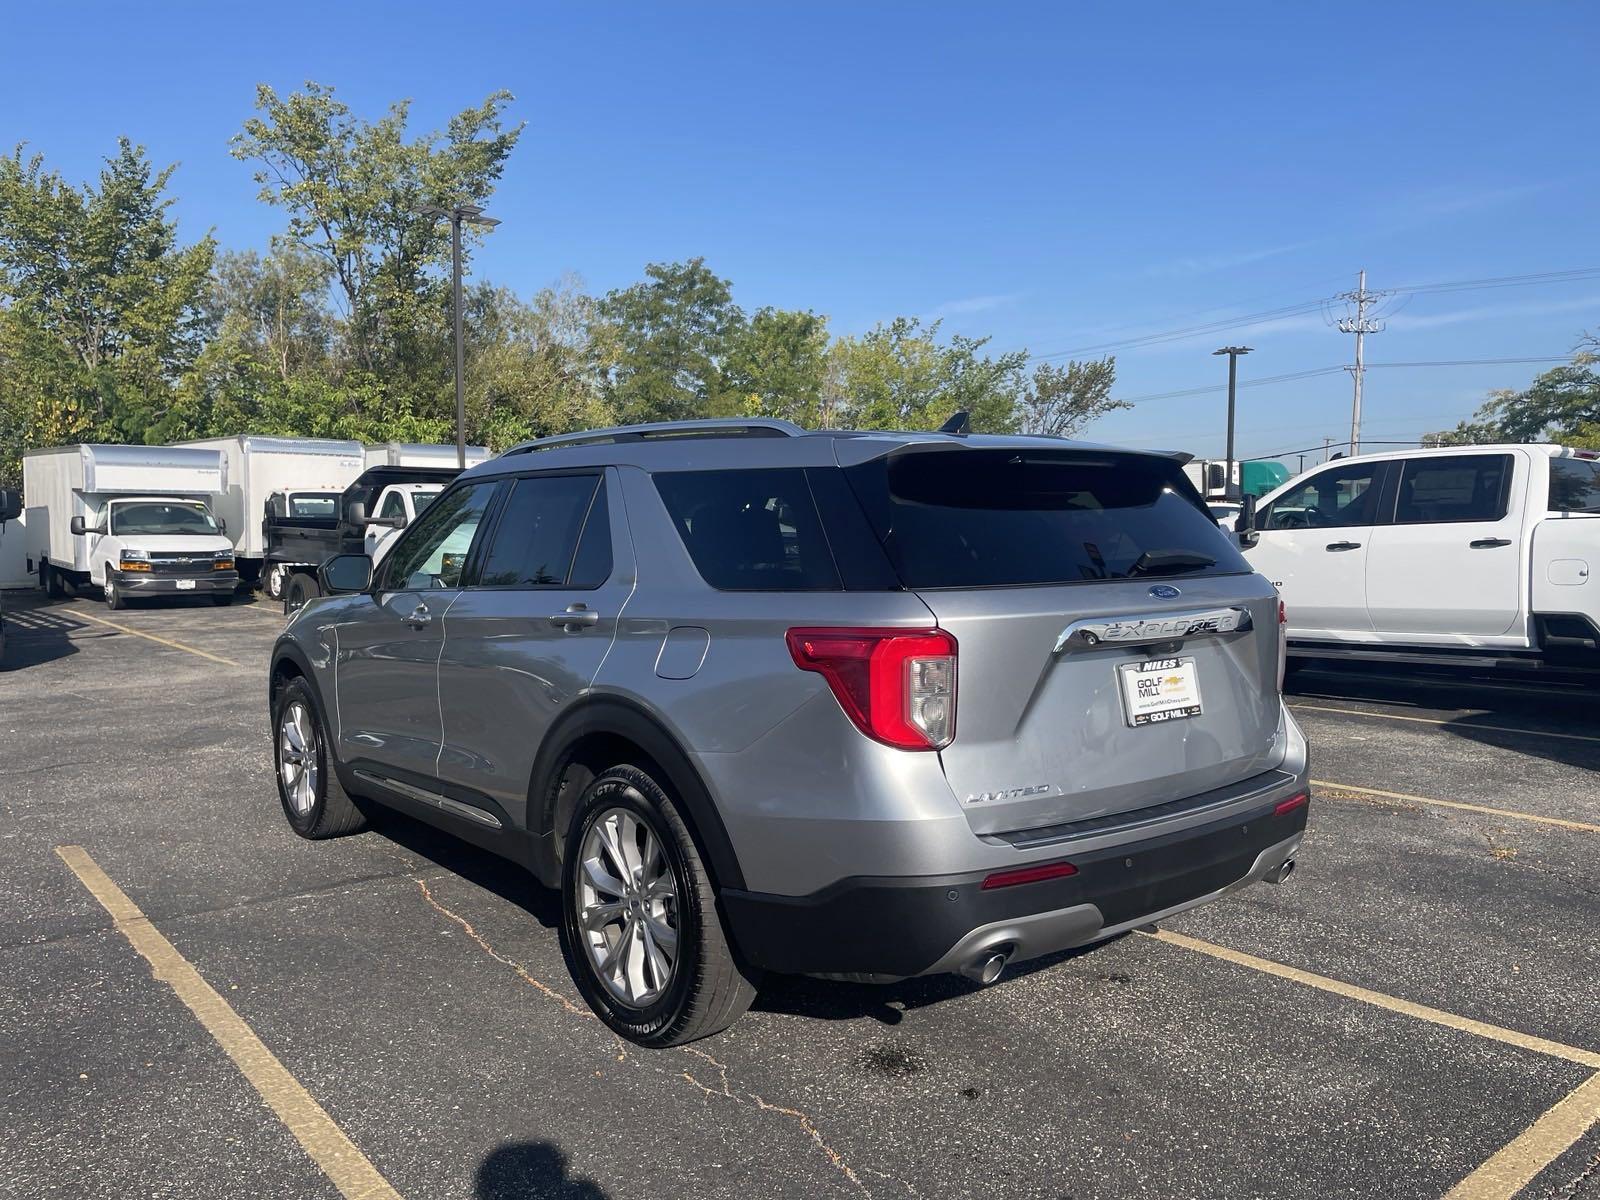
[297, 757]
[627, 907]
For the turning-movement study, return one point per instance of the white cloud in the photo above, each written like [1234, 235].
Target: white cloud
[974, 304]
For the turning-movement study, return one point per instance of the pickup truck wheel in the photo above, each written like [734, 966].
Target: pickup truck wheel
[302, 587]
[115, 600]
[314, 801]
[640, 929]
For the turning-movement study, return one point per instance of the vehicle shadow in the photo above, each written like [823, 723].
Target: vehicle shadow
[489, 871]
[37, 633]
[887, 1003]
[529, 1170]
[1549, 719]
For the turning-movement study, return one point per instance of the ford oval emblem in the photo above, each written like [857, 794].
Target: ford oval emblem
[1165, 591]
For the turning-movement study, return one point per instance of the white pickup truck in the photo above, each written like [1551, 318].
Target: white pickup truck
[1476, 555]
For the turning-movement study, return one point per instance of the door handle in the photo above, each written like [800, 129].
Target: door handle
[1489, 543]
[419, 617]
[577, 616]
[1344, 545]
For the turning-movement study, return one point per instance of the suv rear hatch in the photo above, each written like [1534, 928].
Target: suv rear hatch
[1116, 651]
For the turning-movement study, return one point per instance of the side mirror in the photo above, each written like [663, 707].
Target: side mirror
[78, 527]
[222, 526]
[357, 513]
[10, 504]
[345, 573]
[1245, 525]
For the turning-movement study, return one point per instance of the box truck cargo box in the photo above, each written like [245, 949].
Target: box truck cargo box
[413, 454]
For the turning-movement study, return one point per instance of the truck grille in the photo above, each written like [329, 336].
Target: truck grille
[172, 562]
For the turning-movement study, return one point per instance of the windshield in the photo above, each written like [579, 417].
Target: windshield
[314, 504]
[162, 517]
[995, 518]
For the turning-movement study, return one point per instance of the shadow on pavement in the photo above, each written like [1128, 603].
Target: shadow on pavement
[37, 633]
[525, 1170]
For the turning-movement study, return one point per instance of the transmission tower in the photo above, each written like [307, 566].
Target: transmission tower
[1359, 324]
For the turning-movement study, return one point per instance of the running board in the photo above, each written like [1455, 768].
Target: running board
[432, 799]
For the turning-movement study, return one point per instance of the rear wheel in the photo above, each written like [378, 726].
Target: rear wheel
[301, 587]
[272, 582]
[640, 929]
[50, 581]
[313, 800]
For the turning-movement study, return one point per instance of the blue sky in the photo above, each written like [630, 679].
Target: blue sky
[1052, 175]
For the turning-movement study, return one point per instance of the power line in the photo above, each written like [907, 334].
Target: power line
[1472, 362]
[1264, 381]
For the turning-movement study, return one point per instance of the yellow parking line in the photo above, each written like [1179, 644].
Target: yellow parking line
[1514, 1166]
[334, 1153]
[1364, 793]
[1422, 1012]
[227, 662]
[1456, 724]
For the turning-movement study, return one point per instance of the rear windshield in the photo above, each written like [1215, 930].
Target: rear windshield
[992, 518]
[320, 505]
[1574, 485]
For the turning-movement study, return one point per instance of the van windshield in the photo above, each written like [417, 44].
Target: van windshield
[996, 518]
[147, 517]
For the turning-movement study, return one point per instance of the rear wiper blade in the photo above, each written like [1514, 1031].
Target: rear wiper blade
[1170, 562]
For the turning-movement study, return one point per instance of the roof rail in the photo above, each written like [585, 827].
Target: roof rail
[662, 430]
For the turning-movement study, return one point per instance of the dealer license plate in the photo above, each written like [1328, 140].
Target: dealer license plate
[185, 585]
[1160, 689]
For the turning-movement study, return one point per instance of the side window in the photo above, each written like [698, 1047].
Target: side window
[393, 506]
[537, 535]
[1457, 487]
[1339, 496]
[750, 530]
[591, 566]
[1574, 485]
[433, 552]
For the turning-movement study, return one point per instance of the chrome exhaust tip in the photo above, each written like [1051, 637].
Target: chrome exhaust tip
[1280, 872]
[986, 968]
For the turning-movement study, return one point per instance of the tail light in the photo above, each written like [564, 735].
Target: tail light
[897, 685]
[1000, 879]
[1283, 644]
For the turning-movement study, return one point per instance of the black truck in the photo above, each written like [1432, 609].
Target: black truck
[302, 529]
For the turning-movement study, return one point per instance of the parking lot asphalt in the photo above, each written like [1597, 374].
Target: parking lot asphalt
[1407, 1015]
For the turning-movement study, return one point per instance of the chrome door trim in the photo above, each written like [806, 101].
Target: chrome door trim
[432, 799]
[1153, 627]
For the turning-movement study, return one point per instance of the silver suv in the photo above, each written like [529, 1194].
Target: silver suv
[860, 705]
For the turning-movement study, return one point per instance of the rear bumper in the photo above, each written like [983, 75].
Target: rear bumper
[891, 928]
[142, 584]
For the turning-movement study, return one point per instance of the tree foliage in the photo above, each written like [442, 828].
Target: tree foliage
[113, 329]
[1561, 405]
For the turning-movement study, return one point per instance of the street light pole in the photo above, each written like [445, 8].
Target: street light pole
[457, 214]
[1233, 353]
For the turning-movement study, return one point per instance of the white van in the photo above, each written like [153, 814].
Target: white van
[1479, 555]
[128, 520]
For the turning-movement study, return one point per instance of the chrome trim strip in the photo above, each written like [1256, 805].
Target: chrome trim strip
[433, 799]
[1153, 627]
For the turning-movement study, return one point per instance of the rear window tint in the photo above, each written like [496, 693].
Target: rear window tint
[754, 530]
[1574, 485]
[1468, 487]
[992, 518]
[537, 534]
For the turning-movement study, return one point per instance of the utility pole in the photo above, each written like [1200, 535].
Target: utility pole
[1327, 446]
[472, 214]
[1360, 326]
[1233, 353]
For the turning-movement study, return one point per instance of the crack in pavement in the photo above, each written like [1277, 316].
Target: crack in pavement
[835, 1159]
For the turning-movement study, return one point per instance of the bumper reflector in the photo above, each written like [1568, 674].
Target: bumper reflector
[1292, 803]
[1000, 879]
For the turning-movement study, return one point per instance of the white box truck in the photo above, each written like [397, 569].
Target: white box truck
[413, 454]
[129, 520]
[306, 475]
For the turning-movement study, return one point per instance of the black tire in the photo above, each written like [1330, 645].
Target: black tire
[332, 813]
[301, 587]
[50, 581]
[709, 988]
[222, 599]
[115, 600]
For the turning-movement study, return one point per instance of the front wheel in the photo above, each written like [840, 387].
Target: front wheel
[115, 600]
[313, 800]
[640, 929]
[301, 587]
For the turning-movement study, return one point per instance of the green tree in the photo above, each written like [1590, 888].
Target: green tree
[776, 366]
[1060, 401]
[670, 333]
[1561, 405]
[101, 309]
[899, 376]
[353, 191]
